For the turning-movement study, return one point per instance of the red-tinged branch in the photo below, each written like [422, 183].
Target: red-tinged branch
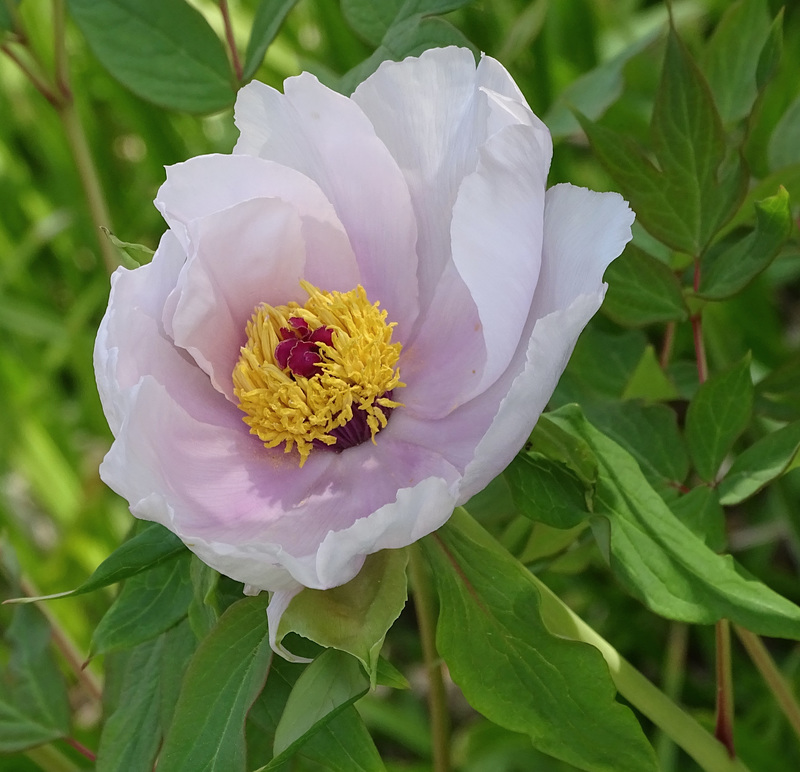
[231, 40]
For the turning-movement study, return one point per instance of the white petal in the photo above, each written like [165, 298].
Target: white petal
[326, 137]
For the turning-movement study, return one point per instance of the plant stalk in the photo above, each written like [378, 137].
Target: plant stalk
[437, 697]
[772, 675]
[705, 749]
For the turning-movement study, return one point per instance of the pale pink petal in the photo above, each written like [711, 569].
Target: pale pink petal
[497, 240]
[132, 343]
[209, 184]
[583, 232]
[326, 137]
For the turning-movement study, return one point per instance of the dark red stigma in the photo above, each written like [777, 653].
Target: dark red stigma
[355, 431]
[298, 349]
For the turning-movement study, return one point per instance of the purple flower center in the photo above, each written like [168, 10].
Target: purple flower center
[355, 431]
[299, 346]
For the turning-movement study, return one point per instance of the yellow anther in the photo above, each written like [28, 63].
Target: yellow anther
[354, 372]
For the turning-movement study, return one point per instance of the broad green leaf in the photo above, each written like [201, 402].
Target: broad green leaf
[784, 149]
[695, 189]
[331, 683]
[642, 290]
[732, 57]
[650, 434]
[149, 675]
[760, 464]
[204, 610]
[162, 50]
[700, 511]
[131, 255]
[512, 669]
[409, 37]
[268, 19]
[149, 603]
[153, 545]
[661, 561]
[648, 381]
[551, 441]
[223, 679]
[717, 415]
[356, 616]
[737, 266]
[546, 491]
[34, 708]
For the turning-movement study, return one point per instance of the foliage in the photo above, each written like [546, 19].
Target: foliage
[668, 498]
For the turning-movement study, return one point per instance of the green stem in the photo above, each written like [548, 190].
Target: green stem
[769, 671]
[708, 752]
[437, 697]
[50, 759]
[98, 210]
[674, 670]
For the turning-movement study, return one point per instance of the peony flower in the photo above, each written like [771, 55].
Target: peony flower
[352, 322]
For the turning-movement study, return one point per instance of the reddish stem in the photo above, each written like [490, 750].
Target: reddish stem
[237, 64]
[81, 748]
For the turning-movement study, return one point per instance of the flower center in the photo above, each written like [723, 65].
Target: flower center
[319, 375]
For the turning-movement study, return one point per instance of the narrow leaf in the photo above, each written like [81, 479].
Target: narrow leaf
[356, 616]
[760, 464]
[162, 50]
[148, 604]
[783, 147]
[771, 53]
[223, 679]
[735, 268]
[269, 17]
[34, 707]
[512, 669]
[151, 546]
[648, 381]
[717, 415]
[369, 19]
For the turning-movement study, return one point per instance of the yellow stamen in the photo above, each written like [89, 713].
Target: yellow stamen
[355, 371]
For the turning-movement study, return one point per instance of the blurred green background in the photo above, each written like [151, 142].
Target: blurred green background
[601, 55]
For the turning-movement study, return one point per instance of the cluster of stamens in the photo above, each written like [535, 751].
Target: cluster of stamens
[319, 375]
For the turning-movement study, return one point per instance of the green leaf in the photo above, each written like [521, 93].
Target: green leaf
[551, 441]
[153, 545]
[162, 50]
[512, 669]
[778, 394]
[650, 434]
[732, 57]
[268, 19]
[783, 147]
[717, 415]
[696, 189]
[700, 511]
[642, 290]
[648, 381]
[369, 19]
[331, 683]
[223, 679]
[593, 92]
[34, 707]
[148, 675]
[771, 53]
[354, 617]
[389, 675]
[148, 604]
[546, 491]
[661, 561]
[760, 464]
[737, 266]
